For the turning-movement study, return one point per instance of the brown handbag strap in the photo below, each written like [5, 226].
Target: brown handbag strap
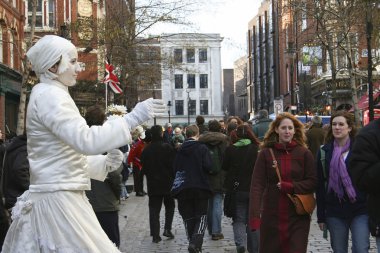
[275, 166]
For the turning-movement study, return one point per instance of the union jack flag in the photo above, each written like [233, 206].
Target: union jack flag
[111, 79]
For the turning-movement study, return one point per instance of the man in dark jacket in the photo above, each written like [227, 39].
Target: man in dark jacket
[157, 165]
[191, 186]
[218, 142]
[364, 167]
[16, 170]
[262, 124]
[315, 135]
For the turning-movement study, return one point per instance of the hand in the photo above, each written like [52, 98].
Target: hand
[145, 111]
[114, 159]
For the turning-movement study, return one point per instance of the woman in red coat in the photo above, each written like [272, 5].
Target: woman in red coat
[271, 211]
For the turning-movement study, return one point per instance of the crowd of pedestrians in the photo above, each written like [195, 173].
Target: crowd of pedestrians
[62, 181]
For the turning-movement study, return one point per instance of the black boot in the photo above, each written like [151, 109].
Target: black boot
[196, 243]
[168, 233]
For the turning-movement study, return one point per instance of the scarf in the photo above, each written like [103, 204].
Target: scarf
[339, 180]
[242, 142]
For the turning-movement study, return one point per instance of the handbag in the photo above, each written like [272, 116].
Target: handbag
[303, 203]
[374, 227]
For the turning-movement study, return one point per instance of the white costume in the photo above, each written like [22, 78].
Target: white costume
[63, 152]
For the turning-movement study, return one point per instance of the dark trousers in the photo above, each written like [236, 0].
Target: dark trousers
[138, 180]
[194, 215]
[155, 204]
[110, 224]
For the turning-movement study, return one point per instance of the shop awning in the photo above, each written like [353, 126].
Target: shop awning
[363, 102]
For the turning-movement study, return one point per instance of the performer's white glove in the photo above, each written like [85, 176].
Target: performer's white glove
[144, 111]
[114, 159]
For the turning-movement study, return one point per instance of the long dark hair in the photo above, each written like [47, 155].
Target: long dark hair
[350, 122]
[244, 132]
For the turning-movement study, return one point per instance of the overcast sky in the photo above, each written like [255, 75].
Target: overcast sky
[229, 18]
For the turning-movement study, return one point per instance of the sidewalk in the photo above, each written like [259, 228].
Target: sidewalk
[135, 237]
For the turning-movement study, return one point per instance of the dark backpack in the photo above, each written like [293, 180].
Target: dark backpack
[216, 157]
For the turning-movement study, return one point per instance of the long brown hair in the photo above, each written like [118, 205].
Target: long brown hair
[350, 122]
[244, 132]
[271, 137]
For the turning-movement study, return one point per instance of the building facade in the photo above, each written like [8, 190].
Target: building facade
[11, 54]
[191, 76]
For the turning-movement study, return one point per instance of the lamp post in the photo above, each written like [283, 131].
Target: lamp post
[369, 28]
[188, 105]
[169, 104]
[291, 53]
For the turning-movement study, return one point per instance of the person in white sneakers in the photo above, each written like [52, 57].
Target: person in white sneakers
[64, 153]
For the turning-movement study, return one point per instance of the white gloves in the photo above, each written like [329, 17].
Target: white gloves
[144, 111]
[114, 159]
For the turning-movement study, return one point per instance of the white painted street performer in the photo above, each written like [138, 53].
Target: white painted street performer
[54, 215]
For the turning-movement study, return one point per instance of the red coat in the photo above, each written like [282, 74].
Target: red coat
[282, 230]
[135, 154]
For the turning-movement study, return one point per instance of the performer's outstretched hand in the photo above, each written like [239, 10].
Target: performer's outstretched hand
[145, 111]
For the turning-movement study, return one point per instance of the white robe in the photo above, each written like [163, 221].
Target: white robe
[64, 153]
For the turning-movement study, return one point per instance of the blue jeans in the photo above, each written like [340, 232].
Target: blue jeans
[339, 229]
[214, 213]
[243, 236]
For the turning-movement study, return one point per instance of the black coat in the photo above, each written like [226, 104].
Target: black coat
[364, 166]
[157, 165]
[16, 170]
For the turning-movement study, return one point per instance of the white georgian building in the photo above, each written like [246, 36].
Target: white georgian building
[191, 77]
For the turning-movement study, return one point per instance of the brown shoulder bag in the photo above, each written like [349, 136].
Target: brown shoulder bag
[303, 203]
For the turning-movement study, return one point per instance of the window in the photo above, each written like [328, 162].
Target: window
[202, 55]
[203, 81]
[50, 9]
[192, 107]
[191, 81]
[190, 55]
[179, 107]
[178, 55]
[203, 107]
[178, 81]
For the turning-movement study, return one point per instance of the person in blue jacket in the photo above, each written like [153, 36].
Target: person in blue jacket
[191, 186]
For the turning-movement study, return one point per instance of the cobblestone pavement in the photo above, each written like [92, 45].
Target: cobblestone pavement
[135, 238]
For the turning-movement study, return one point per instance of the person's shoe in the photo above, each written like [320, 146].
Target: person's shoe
[168, 233]
[140, 194]
[157, 239]
[240, 249]
[216, 237]
[193, 249]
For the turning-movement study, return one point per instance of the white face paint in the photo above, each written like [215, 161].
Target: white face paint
[69, 76]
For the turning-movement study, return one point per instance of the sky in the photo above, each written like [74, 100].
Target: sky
[230, 19]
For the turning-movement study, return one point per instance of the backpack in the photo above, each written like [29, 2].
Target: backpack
[216, 157]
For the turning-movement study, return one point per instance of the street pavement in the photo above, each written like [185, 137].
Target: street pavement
[135, 234]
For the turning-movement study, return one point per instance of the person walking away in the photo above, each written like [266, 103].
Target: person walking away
[340, 206]
[135, 163]
[262, 124]
[104, 196]
[315, 135]
[364, 168]
[271, 210]
[157, 165]
[64, 153]
[217, 143]
[238, 163]
[191, 187]
[200, 121]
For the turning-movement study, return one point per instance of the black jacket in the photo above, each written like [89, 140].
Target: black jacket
[221, 141]
[192, 165]
[364, 166]
[157, 165]
[16, 170]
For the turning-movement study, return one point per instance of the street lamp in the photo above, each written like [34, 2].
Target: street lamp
[169, 104]
[291, 53]
[188, 105]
